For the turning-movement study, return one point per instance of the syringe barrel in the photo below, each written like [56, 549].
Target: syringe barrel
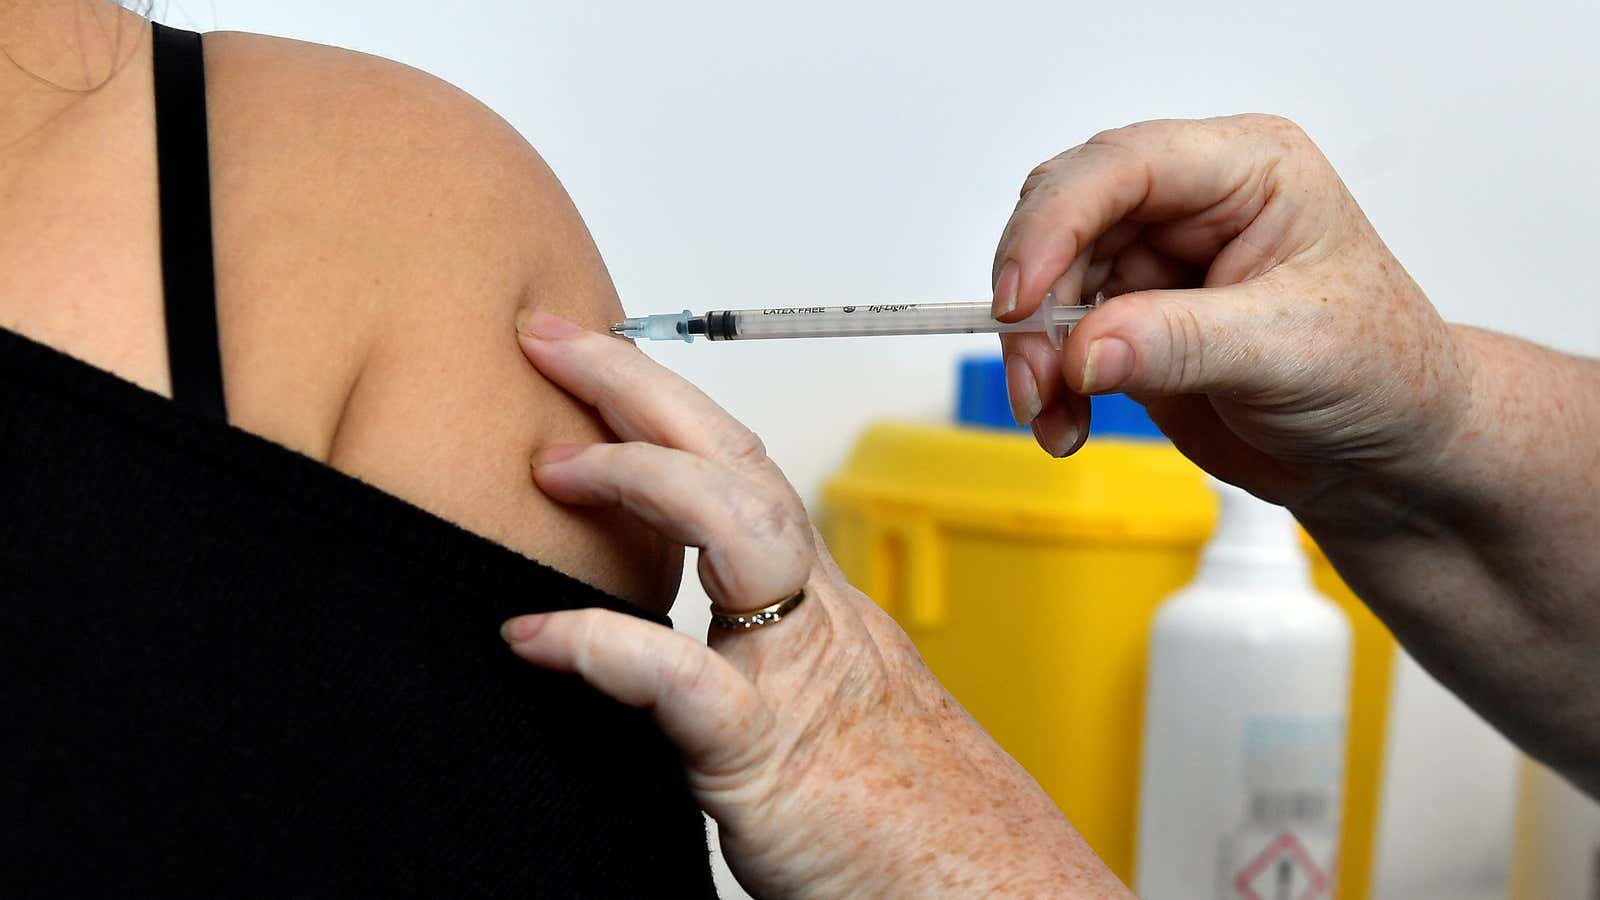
[848, 321]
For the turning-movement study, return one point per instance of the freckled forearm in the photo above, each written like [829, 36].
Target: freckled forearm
[1493, 581]
[1530, 456]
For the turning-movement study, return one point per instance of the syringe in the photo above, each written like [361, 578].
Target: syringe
[966, 317]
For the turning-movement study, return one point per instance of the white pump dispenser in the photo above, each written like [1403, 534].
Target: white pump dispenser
[1245, 711]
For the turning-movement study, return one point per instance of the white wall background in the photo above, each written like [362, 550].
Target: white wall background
[736, 153]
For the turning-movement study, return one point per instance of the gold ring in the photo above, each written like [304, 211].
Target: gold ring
[755, 618]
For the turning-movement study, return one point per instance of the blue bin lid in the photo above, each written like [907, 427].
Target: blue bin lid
[981, 401]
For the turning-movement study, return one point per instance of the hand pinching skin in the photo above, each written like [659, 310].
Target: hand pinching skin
[793, 730]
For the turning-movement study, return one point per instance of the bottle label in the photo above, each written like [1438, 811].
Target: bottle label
[1286, 842]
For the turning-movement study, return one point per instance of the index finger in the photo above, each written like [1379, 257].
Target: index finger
[640, 399]
[1151, 171]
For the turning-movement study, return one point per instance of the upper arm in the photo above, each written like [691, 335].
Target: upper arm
[400, 238]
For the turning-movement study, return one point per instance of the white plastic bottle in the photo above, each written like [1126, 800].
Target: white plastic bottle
[1245, 712]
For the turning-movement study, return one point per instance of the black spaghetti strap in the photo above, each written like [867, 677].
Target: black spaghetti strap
[187, 270]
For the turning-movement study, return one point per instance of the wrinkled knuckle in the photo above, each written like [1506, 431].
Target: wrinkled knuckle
[687, 671]
[764, 515]
[1029, 214]
[1288, 128]
[635, 458]
[618, 372]
[1284, 133]
[1264, 122]
[586, 632]
[1109, 137]
[740, 444]
[1186, 340]
[1041, 173]
[1125, 137]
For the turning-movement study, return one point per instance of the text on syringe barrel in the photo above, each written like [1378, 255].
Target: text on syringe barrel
[847, 321]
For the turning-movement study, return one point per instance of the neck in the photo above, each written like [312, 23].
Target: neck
[56, 53]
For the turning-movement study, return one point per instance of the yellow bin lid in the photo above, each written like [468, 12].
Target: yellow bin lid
[1001, 482]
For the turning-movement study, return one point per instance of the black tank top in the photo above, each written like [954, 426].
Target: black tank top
[229, 670]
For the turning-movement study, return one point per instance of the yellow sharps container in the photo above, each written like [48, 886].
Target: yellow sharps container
[1029, 584]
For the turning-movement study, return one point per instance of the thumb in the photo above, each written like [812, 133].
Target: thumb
[1166, 343]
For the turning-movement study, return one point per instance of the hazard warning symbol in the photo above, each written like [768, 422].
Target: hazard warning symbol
[1282, 871]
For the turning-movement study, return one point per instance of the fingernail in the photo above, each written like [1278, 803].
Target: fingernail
[545, 456]
[1005, 289]
[1057, 440]
[545, 326]
[1108, 365]
[515, 631]
[1023, 390]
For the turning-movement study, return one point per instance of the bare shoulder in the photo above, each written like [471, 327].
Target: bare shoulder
[380, 228]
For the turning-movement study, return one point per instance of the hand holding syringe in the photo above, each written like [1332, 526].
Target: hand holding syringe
[969, 317]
